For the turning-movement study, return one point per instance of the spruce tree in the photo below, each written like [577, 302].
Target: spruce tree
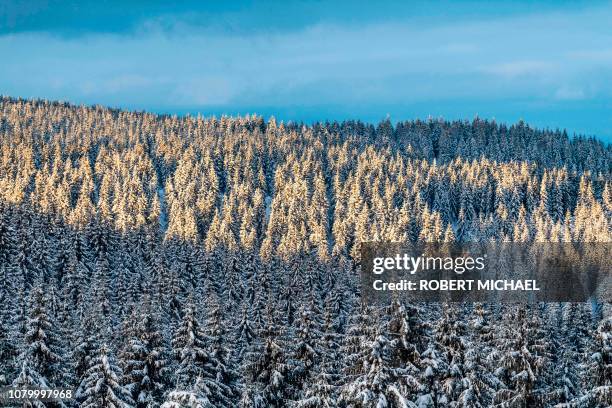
[199, 373]
[523, 359]
[378, 384]
[598, 375]
[269, 374]
[42, 357]
[100, 386]
[144, 361]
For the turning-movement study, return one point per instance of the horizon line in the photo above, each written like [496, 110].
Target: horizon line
[394, 122]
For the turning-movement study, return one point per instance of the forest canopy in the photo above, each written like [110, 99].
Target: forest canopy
[151, 259]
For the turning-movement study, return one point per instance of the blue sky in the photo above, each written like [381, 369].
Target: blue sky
[549, 63]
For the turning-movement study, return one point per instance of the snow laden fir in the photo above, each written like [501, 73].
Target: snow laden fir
[151, 261]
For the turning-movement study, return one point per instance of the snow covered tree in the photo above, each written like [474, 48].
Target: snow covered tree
[245, 333]
[199, 373]
[432, 381]
[100, 386]
[307, 348]
[378, 385]
[523, 360]
[269, 374]
[599, 371]
[217, 341]
[450, 335]
[321, 386]
[86, 345]
[144, 360]
[42, 357]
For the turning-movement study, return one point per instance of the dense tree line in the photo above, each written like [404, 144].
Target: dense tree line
[152, 260]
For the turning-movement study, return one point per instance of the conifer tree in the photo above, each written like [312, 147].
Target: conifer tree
[523, 357]
[199, 372]
[100, 386]
[599, 370]
[42, 357]
[145, 361]
[378, 385]
[307, 351]
[268, 372]
[245, 334]
[85, 346]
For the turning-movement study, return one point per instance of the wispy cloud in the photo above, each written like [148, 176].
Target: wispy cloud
[539, 58]
[570, 93]
[516, 69]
